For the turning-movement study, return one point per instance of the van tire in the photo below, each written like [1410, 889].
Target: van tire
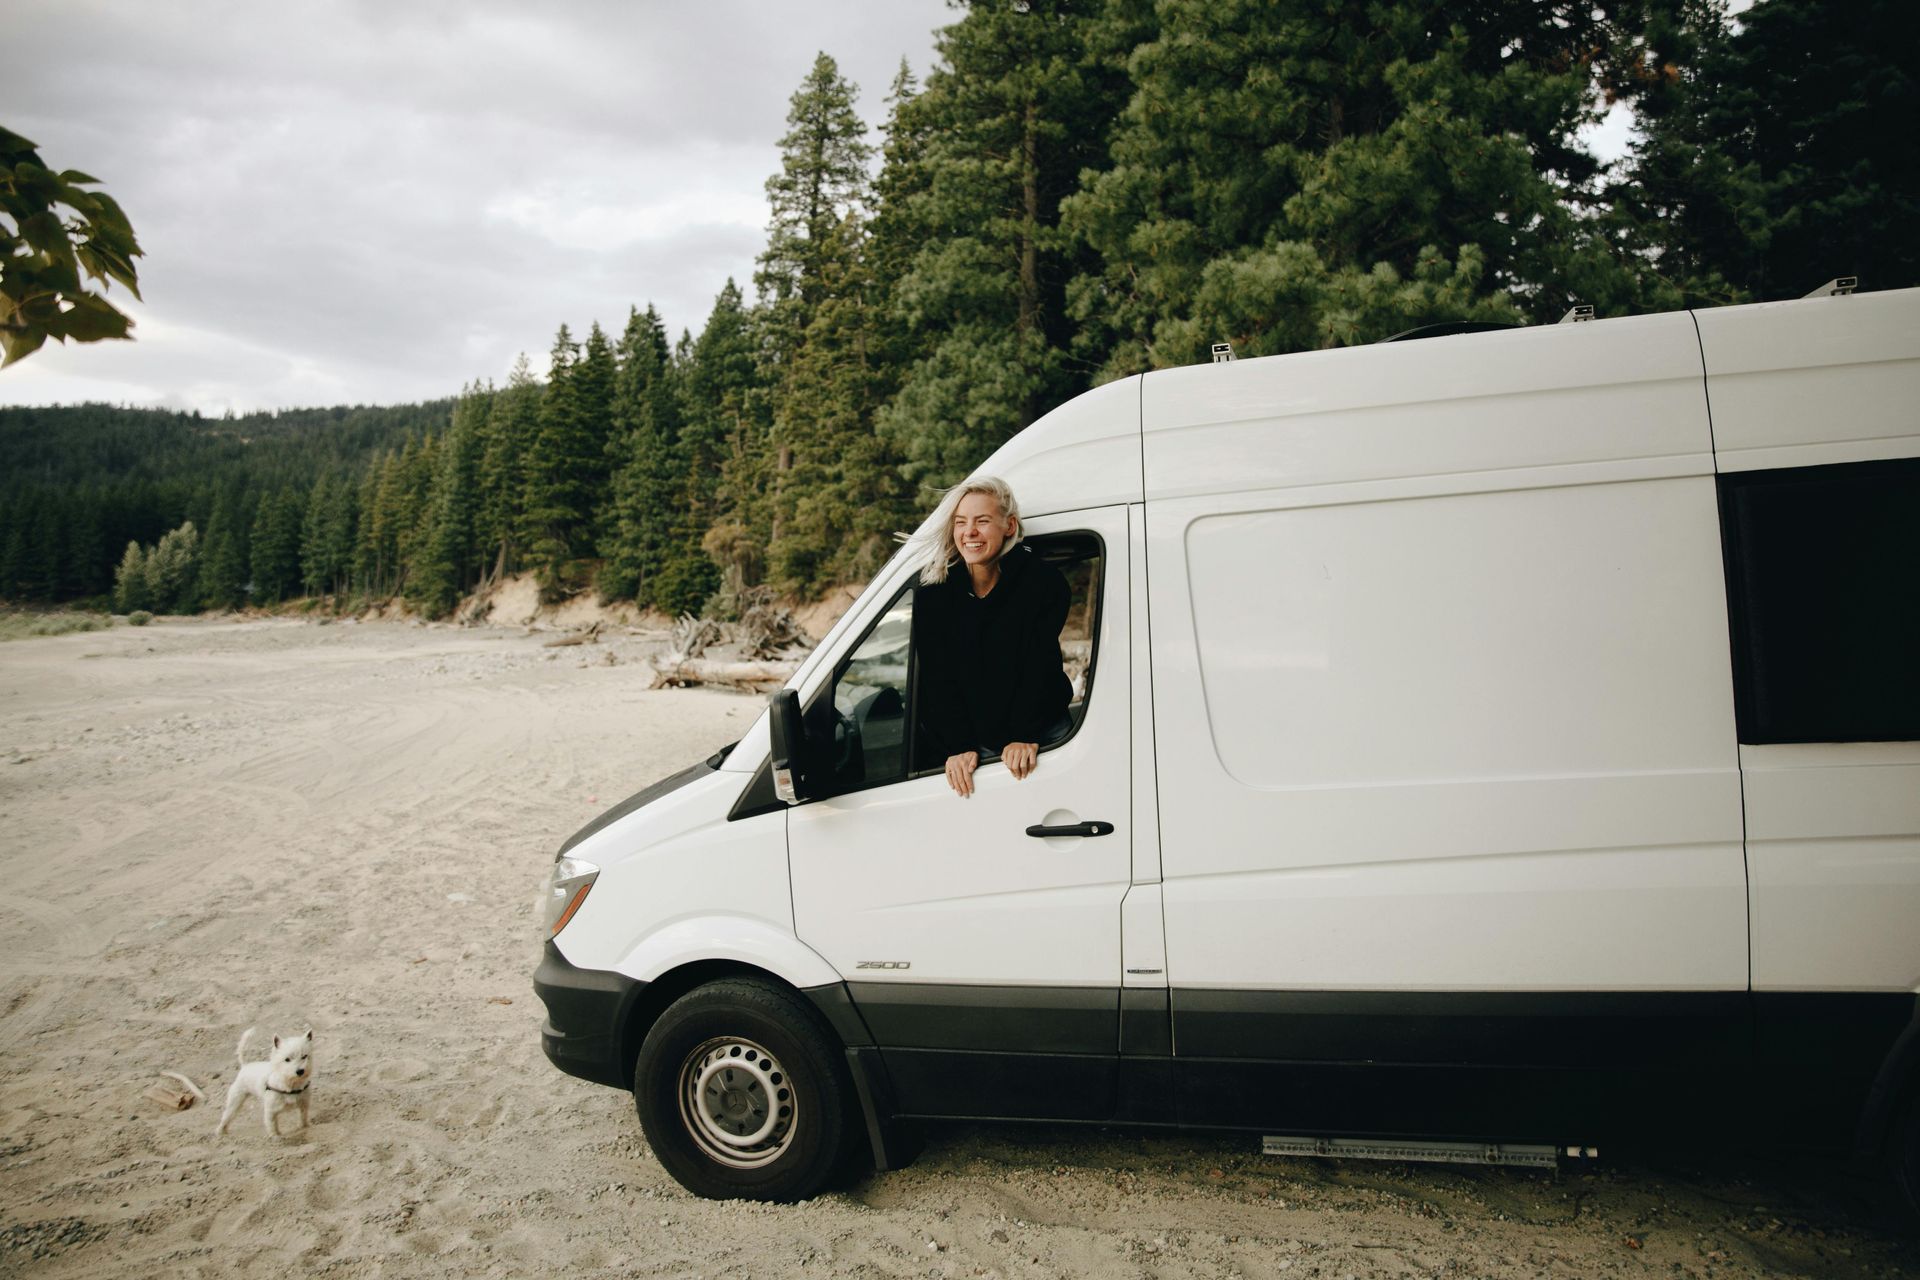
[744, 1094]
[1905, 1158]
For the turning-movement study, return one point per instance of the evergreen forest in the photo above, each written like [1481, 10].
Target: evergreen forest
[1078, 190]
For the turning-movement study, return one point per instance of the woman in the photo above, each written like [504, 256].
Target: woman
[988, 617]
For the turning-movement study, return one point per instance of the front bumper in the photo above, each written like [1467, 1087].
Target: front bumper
[586, 1009]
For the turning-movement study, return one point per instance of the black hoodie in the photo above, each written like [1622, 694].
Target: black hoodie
[990, 669]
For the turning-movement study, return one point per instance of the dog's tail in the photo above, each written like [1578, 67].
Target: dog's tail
[241, 1052]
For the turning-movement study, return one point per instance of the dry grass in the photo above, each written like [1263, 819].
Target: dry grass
[20, 624]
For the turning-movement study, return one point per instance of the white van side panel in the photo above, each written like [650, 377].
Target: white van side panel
[1834, 851]
[1470, 730]
[1833, 828]
[1612, 392]
[1815, 381]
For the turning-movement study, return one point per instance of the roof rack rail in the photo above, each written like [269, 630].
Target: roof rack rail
[1579, 313]
[1447, 329]
[1838, 287]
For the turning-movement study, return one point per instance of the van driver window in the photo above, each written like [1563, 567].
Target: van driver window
[877, 729]
[870, 702]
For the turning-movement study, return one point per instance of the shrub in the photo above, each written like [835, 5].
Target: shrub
[22, 625]
[139, 618]
[61, 624]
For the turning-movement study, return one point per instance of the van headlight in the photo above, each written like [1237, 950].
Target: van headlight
[567, 887]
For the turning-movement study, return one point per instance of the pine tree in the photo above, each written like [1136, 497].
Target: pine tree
[38, 570]
[823, 177]
[510, 429]
[130, 580]
[84, 570]
[417, 467]
[315, 567]
[646, 517]
[1305, 174]
[386, 523]
[1009, 117]
[342, 523]
[728, 450]
[895, 235]
[594, 379]
[276, 546]
[172, 569]
[14, 528]
[821, 187]
[1778, 154]
[450, 555]
[561, 469]
[367, 566]
[223, 566]
[838, 500]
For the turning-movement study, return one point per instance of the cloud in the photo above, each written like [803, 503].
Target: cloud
[358, 202]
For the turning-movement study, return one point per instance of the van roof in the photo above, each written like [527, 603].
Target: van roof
[1338, 416]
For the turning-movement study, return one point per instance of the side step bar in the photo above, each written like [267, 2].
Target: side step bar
[1503, 1153]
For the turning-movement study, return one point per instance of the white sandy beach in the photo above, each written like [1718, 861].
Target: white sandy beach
[211, 824]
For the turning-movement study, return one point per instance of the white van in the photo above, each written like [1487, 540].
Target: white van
[1505, 738]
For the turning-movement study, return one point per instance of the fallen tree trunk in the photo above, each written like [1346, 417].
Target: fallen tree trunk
[590, 636]
[747, 677]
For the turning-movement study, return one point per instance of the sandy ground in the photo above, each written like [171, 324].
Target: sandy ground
[206, 825]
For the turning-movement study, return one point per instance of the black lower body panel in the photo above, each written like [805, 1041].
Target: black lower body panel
[1464, 1103]
[585, 1011]
[1016, 1053]
[952, 1084]
[1535, 1066]
[1653, 1067]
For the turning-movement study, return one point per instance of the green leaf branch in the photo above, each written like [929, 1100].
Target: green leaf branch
[55, 238]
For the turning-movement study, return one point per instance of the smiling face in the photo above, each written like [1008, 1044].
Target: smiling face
[980, 531]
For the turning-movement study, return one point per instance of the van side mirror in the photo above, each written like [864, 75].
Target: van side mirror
[789, 747]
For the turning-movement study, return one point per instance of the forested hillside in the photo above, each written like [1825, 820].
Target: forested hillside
[78, 484]
[1079, 190]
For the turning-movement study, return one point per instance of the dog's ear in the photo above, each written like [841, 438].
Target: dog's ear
[309, 1035]
[276, 1042]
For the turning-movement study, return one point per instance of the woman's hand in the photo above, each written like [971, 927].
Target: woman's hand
[1020, 757]
[960, 772]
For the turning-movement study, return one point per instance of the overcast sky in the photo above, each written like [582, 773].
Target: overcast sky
[358, 202]
[355, 202]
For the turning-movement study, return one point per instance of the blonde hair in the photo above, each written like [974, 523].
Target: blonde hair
[937, 534]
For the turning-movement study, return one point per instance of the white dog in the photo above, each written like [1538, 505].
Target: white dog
[279, 1081]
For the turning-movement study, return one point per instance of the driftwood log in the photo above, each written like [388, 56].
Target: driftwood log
[691, 636]
[173, 1099]
[747, 677]
[766, 626]
[590, 636]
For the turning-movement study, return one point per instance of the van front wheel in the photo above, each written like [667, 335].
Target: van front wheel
[743, 1094]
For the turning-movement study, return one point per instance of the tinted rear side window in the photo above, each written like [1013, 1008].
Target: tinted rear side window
[1823, 578]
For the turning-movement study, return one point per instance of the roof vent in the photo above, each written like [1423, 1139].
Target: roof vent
[1222, 352]
[1580, 313]
[1838, 287]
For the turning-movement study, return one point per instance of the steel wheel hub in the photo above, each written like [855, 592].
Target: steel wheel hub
[737, 1102]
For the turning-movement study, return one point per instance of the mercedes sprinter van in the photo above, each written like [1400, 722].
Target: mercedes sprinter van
[1506, 738]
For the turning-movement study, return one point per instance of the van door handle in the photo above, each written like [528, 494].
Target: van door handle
[1075, 829]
